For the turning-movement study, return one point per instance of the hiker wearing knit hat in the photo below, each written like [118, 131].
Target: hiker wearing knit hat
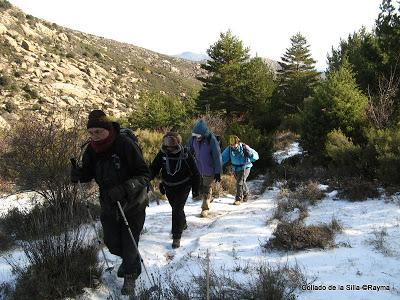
[179, 174]
[116, 163]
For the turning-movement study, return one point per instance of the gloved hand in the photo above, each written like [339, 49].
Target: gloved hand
[75, 173]
[161, 187]
[132, 187]
[217, 177]
[116, 193]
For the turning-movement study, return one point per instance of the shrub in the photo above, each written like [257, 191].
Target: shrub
[37, 157]
[385, 144]
[346, 157]
[296, 236]
[228, 184]
[30, 92]
[150, 143]
[11, 106]
[358, 189]
[337, 103]
[60, 266]
[157, 111]
[23, 225]
[266, 282]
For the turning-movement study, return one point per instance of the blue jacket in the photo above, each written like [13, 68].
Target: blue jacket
[237, 157]
[207, 151]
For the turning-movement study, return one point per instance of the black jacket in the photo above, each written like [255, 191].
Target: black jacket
[119, 168]
[177, 170]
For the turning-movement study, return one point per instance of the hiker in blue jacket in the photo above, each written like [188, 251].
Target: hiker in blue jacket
[205, 147]
[241, 157]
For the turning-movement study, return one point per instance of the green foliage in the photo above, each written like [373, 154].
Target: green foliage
[344, 154]
[297, 76]
[156, 111]
[386, 145]
[10, 106]
[362, 51]
[150, 143]
[337, 103]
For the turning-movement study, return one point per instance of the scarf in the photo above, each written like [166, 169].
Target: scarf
[103, 145]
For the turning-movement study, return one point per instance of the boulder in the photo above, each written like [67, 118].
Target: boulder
[3, 29]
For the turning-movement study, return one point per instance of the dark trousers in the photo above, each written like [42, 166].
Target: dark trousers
[118, 240]
[177, 197]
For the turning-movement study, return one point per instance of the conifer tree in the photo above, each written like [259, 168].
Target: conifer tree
[220, 87]
[297, 75]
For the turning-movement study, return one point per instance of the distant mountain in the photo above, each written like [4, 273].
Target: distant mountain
[193, 56]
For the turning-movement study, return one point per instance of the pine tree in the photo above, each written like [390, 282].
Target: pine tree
[297, 75]
[220, 87]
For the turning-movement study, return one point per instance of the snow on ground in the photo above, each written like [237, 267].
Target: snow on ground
[233, 235]
[292, 150]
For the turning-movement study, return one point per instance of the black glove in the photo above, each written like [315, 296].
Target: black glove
[161, 187]
[76, 172]
[132, 187]
[217, 177]
[116, 193]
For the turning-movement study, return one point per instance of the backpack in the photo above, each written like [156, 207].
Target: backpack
[130, 135]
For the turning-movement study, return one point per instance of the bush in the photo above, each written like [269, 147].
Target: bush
[337, 103]
[30, 92]
[385, 144]
[37, 157]
[24, 225]
[358, 189]
[59, 267]
[228, 184]
[283, 139]
[62, 257]
[266, 282]
[157, 111]
[150, 143]
[11, 106]
[296, 236]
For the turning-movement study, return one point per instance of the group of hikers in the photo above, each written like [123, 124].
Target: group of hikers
[115, 161]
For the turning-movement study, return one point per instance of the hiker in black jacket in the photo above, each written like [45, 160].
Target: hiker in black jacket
[115, 162]
[178, 174]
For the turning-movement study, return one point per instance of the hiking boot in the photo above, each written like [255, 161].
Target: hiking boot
[176, 243]
[245, 198]
[121, 271]
[129, 285]
[204, 213]
[237, 202]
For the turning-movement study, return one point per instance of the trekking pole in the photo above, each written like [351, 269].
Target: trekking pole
[80, 192]
[135, 246]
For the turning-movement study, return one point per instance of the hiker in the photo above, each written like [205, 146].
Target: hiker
[179, 174]
[205, 147]
[241, 156]
[115, 162]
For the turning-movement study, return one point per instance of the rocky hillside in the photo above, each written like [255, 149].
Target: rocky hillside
[45, 68]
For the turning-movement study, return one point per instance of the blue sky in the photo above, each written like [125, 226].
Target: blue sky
[175, 26]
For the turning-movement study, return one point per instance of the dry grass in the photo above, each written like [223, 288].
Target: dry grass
[282, 139]
[358, 189]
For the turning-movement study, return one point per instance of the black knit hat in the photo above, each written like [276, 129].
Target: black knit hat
[98, 119]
